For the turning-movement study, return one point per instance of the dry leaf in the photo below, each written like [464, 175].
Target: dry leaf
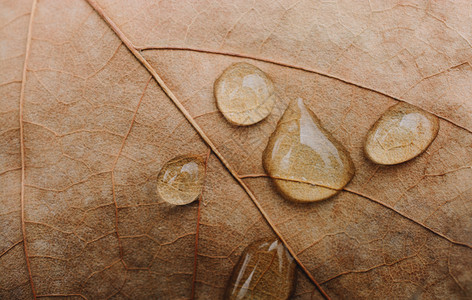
[97, 95]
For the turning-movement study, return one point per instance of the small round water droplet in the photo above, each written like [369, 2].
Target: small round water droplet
[181, 179]
[265, 270]
[244, 94]
[304, 160]
[400, 134]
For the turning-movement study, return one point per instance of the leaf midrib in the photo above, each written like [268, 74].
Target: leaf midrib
[192, 121]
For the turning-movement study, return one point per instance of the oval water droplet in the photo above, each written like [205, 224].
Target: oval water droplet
[305, 161]
[181, 179]
[244, 94]
[265, 270]
[400, 134]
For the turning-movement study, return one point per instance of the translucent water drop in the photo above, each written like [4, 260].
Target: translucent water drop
[304, 160]
[265, 270]
[181, 179]
[244, 94]
[400, 134]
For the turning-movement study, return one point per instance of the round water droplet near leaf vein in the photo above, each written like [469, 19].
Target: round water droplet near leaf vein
[265, 270]
[400, 134]
[244, 94]
[304, 160]
[181, 179]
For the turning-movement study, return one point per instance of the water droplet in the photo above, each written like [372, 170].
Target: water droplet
[305, 161]
[244, 94]
[400, 134]
[181, 179]
[265, 270]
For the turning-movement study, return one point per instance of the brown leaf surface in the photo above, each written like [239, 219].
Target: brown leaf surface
[95, 101]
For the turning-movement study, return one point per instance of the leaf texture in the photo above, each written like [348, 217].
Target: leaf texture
[98, 95]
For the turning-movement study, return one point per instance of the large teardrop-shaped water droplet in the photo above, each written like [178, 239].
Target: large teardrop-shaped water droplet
[181, 179]
[265, 270]
[305, 162]
[400, 134]
[244, 94]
